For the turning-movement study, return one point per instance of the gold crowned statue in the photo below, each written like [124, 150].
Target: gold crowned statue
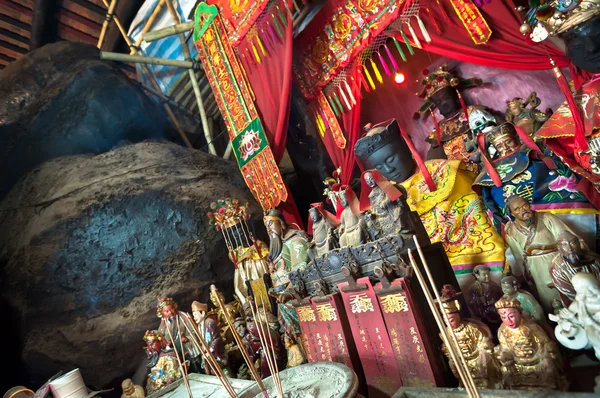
[530, 360]
[248, 255]
[529, 119]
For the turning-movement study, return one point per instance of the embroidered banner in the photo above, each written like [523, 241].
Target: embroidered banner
[412, 349]
[371, 339]
[473, 21]
[238, 16]
[337, 34]
[331, 122]
[234, 97]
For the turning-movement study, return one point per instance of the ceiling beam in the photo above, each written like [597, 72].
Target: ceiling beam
[43, 25]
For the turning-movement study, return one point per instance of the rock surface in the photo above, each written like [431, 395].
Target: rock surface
[63, 100]
[87, 243]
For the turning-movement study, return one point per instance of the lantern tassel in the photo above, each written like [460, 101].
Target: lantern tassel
[377, 74]
[392, 60]
[344, 98]
[332, 105]
[352, 99]
[324, 119]
[400, 50]
[256, 53]
[369, 77]
[272, 33]
[407, 42]
[414, 36]
[267, 41]
[260, 44]
[319, 123]
[424, 31]
[283, 19]
[276, 22]
[250, 58]
[385, 67]
[338, 102]
[580, 140]
[364, 83]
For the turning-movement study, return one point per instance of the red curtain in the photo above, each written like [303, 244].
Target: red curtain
[507, 47]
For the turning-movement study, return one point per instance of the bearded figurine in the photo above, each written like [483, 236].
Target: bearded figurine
[531, 237]
[321, 225]
[529, 119]
[163, 367]
[353, 230]
[530, 360]
[248, 255]
[174, 332]
[522, 169]
[440, 89]
[440, 192]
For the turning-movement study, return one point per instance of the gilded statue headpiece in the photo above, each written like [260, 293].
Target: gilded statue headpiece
[165, 302]
[153, 335]
[550, 18]
[505, 129]
[227, 213]
[508, 302]
[449, 300]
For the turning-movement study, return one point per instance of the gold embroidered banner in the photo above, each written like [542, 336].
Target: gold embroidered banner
[331, 122]
[473, 21]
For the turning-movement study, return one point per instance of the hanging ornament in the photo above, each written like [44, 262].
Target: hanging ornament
[407, 42]
[266, 41]
[364, 83]
[324, 119]
[281, 16]
[272, 33]
[255, 51]
[369, 77]
[349, 90]
[250, 58]
[414, 36]
[338, 102]
[346, 102]
[276, 22]
[383, 64]
[333, 106]
[393, 61]
[399, 49]
[319, 123]
[580, 139]
[424, 31]
[376, 71]
[262, 48]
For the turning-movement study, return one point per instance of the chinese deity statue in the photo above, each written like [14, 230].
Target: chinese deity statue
[171, 328]
[322, 224]
[570, 260]
[530, 360]
[528, 119]
[295, 357]
[232, 308]
[209, 330]
[352, 229]
[163, 367]
[531, 238]
[579, 325]
[522, 169]
[131, 390]
[248, 255]
[483, 294]
[441, 90]
[475, 341]
[529, 304]
[440, 192]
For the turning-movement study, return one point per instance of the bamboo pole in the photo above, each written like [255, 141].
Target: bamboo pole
[168, 31]
[109, 16]
[140, 59]
[228, 150]
[186, 53]
[147, 26]
[167, 108]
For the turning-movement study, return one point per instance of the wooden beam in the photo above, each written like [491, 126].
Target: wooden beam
[42, 30]
[16, 11]
[84, 12]
[14, 39]
[68, 33]
[24, 3]
[78, 23]
[3, 63]
[11, 50]
[6, 58]
[12, 27]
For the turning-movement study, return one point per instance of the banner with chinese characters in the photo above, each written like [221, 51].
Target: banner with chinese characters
[307, 319]
[412, 349]
[474, 23]
[235, 99]
[371, 338]
[335, 36]
[331, 123]
[238, 16]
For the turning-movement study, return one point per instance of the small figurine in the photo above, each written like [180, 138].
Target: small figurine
[529, 119]
[352, 229]
[579, 325]
[571, 259]
[530, 360]
[531, 238]
[131, 390]
[295, 357]
[475, 341]
[557, 305]
[257, 351]
[510, 287]
[483, 294]
[163, 367]
[322, 223]
[209, 330]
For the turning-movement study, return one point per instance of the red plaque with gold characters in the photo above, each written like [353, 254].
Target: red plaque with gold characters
[473, 21]
[371, 338]
[307, 318]
[412, 348]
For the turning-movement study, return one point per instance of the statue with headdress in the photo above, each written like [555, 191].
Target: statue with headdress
[530, 360]
[163, 367]
[208, 328]
[321, 225]
[441, 194]
[441, 89]
[353, 230]
[475, 341]
[525, 115]
[248, 254]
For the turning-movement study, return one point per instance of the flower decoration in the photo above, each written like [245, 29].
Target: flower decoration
[227, 212]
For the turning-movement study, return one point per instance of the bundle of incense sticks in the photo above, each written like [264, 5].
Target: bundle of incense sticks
[440, 316]
[240, 343]
[203, 347]
[268, 348]
[181, 360]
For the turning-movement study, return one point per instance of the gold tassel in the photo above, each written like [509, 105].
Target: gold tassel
[262, 48]
[321, 125]
[255, 53]
[377, 74]
[368, 75]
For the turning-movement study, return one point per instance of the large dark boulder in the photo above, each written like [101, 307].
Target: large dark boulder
[87, 243]
[63, 100]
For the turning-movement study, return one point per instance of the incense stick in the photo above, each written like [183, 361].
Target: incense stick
[261, 337]
[276, 374]
[183, 373]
